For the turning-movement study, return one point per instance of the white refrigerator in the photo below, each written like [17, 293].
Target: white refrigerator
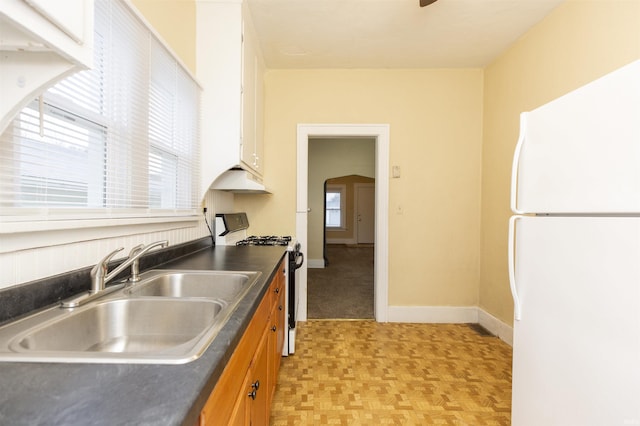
[574, 257]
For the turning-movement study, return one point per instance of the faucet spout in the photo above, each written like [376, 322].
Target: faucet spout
[99, 272]
[137, 254]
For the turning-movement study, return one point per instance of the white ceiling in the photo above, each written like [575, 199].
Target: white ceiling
[391, 33]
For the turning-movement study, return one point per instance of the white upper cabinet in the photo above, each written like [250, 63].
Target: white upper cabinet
[230, 69]
[67, 15]
[252, 100]
[41, 42]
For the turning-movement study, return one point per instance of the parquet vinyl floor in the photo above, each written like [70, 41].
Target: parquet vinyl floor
[368, 373]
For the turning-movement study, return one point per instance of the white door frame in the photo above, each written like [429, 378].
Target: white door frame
[380, 132]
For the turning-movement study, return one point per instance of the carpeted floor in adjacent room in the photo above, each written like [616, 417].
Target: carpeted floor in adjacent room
[344, 288]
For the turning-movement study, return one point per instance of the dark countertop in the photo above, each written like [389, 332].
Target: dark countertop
[137, 394]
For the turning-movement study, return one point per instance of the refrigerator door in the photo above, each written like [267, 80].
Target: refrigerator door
[576, 349]
[580, 153]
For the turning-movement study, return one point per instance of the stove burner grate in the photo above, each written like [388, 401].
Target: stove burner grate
[265, 240]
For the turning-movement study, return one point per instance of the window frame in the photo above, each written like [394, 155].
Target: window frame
[342, 190]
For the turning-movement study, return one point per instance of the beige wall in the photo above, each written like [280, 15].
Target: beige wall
[175, 21]
[578, 42]
[435, 119]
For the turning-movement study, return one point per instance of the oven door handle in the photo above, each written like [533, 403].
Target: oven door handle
[298, 265]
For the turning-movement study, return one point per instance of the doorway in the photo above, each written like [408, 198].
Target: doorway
[349, 210]
[343, 289]
[380, 135]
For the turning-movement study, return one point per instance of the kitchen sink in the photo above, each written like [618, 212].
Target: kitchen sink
[220, 285]
[169, 317]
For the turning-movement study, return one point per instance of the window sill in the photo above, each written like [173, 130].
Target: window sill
[35, 234]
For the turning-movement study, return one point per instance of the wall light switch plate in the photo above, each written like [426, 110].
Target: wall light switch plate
[395, 171]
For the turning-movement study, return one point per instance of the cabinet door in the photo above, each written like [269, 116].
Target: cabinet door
[70, 18]
[248, 153]
[275, 343]
[259, 114]
[240, 414]
[259, 406]
[276, 330]
[281, 325]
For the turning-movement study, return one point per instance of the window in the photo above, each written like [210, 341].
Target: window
[119, 140]
[60, 166]
[335, 206]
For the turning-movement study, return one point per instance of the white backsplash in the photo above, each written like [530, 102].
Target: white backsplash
[22, 266]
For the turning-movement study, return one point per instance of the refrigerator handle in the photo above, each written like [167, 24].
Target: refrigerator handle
[516, 164]
[512, 273]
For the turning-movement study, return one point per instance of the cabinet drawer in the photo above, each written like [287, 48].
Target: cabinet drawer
[277, 288]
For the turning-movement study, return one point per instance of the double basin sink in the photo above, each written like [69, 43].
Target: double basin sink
[168, 317]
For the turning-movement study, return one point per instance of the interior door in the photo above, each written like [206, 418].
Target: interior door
[365, 213]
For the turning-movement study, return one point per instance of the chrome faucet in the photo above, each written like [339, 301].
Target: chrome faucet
[99, 272]
[135, 254]
[100, 277]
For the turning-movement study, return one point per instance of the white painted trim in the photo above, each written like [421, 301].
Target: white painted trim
[452, 315]
[433, 314]
[496, 326]
[315, 263]
[68, 232]
[381, 133]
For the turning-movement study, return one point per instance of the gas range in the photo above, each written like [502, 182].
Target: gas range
[265, 240]
[295, 258]
[231, 229]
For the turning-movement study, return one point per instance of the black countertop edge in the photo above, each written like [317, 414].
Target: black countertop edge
[24, 298]
[138, 394]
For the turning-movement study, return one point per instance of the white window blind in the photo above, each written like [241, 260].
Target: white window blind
[119, 140]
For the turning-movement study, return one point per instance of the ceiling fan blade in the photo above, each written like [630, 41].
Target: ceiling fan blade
[424, 3]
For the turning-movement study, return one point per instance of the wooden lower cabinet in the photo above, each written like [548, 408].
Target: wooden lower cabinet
[276, 334]
[245, 389]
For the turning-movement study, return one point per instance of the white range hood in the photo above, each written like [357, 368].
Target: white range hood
[240, 181]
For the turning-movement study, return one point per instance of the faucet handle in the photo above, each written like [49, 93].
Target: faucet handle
[100, 271]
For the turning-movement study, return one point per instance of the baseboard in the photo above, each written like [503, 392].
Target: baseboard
[315, 263]
[433, 314]
[496, 326]
[452, 314]
[341, 241]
